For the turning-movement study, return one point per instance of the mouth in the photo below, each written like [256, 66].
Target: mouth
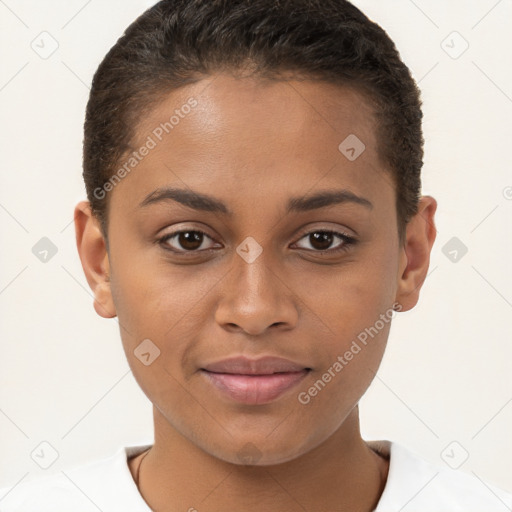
[267, 365]
[254, 382]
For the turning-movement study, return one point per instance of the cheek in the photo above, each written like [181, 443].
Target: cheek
[349, 357]
[347, 299]
[152, 296]
[168, 305]
[353, 313]
[157, 312]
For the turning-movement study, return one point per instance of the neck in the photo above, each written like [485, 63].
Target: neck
[342, 473]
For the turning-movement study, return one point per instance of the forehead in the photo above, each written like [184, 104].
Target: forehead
[234, 136]
[244, 109]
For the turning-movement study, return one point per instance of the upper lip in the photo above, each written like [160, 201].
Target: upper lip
[246, 366]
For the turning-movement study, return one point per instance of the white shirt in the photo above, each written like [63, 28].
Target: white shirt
[106, 485]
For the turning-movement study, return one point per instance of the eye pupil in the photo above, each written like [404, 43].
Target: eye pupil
[190, 240]
[324, 238]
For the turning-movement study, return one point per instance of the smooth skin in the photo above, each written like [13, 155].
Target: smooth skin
[253, 145]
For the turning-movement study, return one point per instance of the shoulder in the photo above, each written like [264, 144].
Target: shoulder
[105, 484]
[416, 484]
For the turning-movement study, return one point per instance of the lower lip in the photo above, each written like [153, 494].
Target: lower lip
[255, 389]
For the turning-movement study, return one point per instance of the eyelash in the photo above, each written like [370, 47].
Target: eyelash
[348, 241]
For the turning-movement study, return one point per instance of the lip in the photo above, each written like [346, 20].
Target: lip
[254, 381]
[255, 389]
[263, 366]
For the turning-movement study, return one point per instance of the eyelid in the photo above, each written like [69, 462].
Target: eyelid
[328, 229]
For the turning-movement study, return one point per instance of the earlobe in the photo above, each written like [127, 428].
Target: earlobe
[103, 302]
[415, 253]
[94, 258]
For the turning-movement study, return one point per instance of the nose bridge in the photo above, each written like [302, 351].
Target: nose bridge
[253, 297]
[253, 265]
[253, 275]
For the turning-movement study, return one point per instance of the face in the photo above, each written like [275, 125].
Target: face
[219, 249]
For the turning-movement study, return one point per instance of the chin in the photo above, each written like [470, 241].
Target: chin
[254, 453]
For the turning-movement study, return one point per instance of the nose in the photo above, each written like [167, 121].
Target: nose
[255, 296]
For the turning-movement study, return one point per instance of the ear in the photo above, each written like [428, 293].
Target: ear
[94, 257]
[415, 253]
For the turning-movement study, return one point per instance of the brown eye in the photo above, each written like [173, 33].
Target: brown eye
[184, 241]
[321, 241]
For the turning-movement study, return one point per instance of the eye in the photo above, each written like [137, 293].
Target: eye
[320, 240]
[193, 241]
[187, 240]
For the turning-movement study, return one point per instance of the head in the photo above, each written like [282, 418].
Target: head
[259, 105]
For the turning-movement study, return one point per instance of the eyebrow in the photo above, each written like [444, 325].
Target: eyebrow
[204, 202]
